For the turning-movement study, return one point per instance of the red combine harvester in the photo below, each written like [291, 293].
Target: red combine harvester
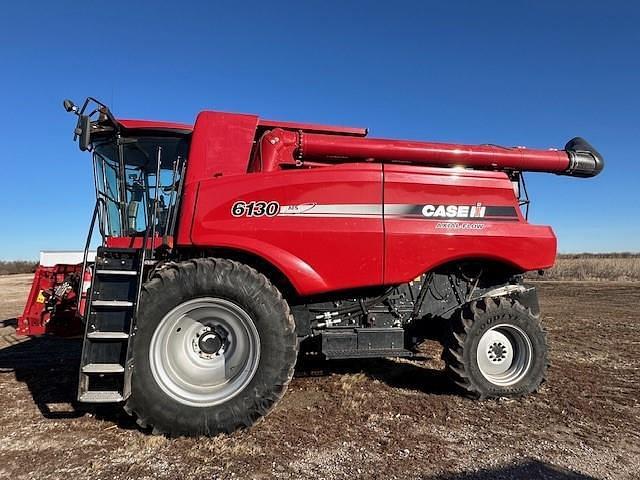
[230, 245]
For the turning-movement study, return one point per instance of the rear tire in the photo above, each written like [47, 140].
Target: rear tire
[214, 350]
[496, 348]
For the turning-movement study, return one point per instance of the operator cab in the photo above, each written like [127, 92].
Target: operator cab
[138, 170]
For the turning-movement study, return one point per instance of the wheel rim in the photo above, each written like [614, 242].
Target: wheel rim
[504, 354]
[205, 351]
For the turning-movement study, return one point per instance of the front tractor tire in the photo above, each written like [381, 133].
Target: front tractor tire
[496, 348]
[214, 350]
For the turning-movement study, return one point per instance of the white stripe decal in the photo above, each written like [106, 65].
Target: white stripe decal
[395, 210]
[364, 210]
[337, 210]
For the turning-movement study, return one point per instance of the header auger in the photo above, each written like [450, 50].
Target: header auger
[234, 245]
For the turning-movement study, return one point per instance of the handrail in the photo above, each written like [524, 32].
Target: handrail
[156, 196]
[172, 199]
[176, 205]
[152, 221]
[86, 251]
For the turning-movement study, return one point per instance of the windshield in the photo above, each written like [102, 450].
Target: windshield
[126, 175]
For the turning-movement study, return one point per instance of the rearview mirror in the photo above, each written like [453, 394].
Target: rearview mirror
[69, 106]
[83, 130]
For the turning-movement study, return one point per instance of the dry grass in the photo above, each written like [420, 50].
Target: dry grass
[579, 266]
[612, 267]
[9, 267]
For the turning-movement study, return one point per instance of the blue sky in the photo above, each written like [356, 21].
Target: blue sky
[514, 73]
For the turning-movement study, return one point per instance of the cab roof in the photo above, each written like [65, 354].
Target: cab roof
[131, 124]
[185, 128]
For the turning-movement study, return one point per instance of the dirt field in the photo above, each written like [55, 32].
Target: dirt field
[370, 419]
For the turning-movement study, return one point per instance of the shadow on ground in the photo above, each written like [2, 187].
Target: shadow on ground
[49, 368]
[395, 374]
[526, 470]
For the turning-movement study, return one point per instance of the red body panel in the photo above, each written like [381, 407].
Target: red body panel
[317, 253]
[137, 242]
[414, 245]
[220, 145]
[339, 238]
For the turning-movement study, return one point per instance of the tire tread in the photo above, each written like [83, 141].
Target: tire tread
[251, 284]
[461, 332]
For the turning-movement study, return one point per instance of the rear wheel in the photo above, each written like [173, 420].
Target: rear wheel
[214, 350]
[496, 347]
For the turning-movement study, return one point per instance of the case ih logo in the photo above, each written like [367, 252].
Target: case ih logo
[454, 211]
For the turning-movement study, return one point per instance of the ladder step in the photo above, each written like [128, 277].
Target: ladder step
[116, 272]
[111, 303]
[107, 336]
[103, 368]
[104, 376]
[101, 397]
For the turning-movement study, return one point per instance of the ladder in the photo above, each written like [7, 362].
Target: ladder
[106, 362]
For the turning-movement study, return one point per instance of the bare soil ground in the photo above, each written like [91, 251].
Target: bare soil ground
[366, 419]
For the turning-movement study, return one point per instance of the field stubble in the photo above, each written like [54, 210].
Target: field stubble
[366, 419]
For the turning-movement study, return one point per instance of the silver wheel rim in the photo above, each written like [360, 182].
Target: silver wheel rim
[504, 354]
[204, 352]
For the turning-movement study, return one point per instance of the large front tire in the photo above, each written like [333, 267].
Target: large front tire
[496, 348]
[214, 350]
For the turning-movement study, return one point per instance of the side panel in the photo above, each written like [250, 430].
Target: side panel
[421, 232]
[326, 234]
[221, 144]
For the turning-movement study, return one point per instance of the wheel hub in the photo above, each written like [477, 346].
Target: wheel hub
[504, 354]
[205, 351]
[210, 341]
[497, 352]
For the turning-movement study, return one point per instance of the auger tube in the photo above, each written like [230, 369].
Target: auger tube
[578, 159]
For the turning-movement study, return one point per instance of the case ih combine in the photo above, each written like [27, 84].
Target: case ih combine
[229, 245]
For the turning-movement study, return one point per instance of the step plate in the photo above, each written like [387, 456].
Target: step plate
[335, 354]
[111, 303]
[103, 368]
[107, 336]
[116, 272]
[101, 397]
